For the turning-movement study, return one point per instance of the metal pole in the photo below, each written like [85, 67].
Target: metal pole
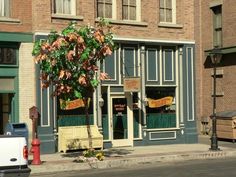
[214, 141]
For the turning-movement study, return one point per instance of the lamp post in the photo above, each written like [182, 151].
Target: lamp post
[216, 56]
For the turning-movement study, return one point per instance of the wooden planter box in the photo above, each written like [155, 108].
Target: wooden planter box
[76, 137]
[226, 126]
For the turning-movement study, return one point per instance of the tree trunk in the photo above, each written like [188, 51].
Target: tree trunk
[88, 123]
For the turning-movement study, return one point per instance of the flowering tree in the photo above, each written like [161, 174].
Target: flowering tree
[69, 61]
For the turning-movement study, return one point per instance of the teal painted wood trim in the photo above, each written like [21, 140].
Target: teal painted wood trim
[188, 71]
[16, 37]
[8, 72]
[165, 120]
[105, 127]
[73, 120]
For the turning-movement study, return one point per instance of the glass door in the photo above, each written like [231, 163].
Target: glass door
[120, 122]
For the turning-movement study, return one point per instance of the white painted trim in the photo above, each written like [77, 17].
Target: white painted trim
[174, 41]
[129, 140]
[177, 86]
[114, 9]
[161, 129]
[138, 10]
[120, 38]
[181, 85]
[161, 66]
[192, 83]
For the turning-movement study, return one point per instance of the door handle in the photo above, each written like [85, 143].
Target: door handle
[13, 159]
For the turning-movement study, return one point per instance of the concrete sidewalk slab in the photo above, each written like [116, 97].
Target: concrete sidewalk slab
[127, 156]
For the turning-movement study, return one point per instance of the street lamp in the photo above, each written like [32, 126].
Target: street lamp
[216, 56]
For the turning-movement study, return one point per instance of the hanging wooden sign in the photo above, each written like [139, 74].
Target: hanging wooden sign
[166, 101]
[69, 105]
[132, 84]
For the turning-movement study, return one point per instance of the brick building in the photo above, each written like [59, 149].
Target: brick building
[156, 48]
[214, 28]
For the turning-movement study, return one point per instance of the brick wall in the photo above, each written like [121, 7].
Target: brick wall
[22, 11]
[149, 14]
[204, 38]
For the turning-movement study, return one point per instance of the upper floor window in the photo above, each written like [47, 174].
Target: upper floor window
[105, 8]
[4, 8]
[217, 26]
[64, 7]
[168, 11]
[131, 9]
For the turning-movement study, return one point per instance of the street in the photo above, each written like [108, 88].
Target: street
[194, 168]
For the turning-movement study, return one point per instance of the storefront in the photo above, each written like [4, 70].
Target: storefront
[159, 110]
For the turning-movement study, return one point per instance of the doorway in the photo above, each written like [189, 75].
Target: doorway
[121, 122]
[5, 110]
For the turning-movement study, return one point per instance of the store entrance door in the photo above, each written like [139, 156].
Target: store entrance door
[5, 110]
[121, 122]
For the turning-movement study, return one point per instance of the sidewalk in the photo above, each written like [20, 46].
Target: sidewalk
[127, 156]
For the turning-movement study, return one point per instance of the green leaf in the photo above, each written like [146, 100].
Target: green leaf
[77, 94]
[94, 82]
[36, 48]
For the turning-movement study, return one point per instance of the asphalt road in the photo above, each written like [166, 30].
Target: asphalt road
[194, 168]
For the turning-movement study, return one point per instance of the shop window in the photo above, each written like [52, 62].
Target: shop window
[64, 7]
[167, 11]
[130, 62]
[161, 107]
[7, 56]
[131, 10]
[106, 8]
[4, 8]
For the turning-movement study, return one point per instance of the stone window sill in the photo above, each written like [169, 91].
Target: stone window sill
[9, 20]
[170, 25]
[66, 17]
[125, 22]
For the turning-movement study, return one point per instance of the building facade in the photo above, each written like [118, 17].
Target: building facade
[150, 95]
[214, 29]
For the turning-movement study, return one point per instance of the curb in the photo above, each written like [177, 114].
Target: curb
[69, 165]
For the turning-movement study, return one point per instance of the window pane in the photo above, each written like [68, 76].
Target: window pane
[100, 10]
[162, 3]
[168, 15]
[8, 56]
[132, 13]
[62, 6]
[125, 13]
[169, 4]
[108, 11]
[125, 2]
[132, 2]
[218, 21]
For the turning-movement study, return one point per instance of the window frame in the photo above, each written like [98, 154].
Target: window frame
[138, 11]
[217, 26]
[113, 9]
[173, 14]
[73, 8]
